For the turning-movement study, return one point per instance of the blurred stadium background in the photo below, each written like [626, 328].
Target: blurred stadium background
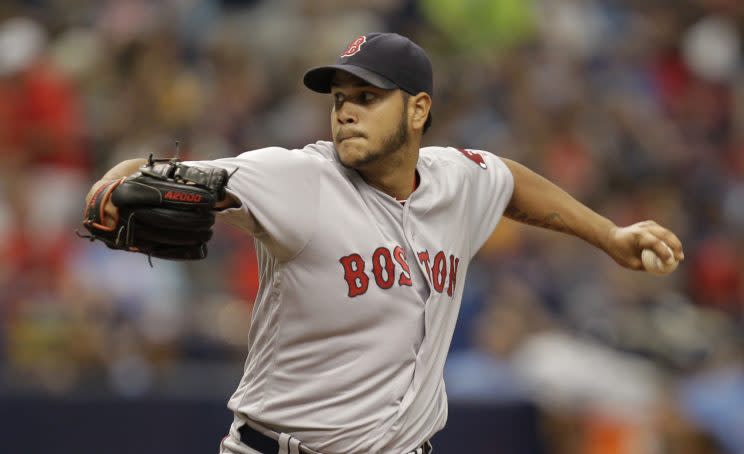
[636, 107]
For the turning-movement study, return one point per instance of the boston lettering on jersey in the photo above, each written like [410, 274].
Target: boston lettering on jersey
[391, 267]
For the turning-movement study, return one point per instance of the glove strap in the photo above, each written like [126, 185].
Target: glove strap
[94, 212]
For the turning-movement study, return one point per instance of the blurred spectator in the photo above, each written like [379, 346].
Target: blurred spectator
[45, 163]
[40, 118]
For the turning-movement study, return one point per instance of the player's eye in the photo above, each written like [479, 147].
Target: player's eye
[367, 97]
[338, 99]
[362, 98]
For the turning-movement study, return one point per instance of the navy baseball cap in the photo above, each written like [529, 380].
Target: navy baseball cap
[385, 60]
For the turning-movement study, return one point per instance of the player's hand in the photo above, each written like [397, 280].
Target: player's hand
[121, 170]
[111, 212]
[625, 244]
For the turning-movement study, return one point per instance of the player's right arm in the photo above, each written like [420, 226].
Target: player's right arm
[125, 169]
[276, 194]
[272, 193]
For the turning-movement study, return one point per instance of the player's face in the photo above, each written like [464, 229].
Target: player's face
[368, 123]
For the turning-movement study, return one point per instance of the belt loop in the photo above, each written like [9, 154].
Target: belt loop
[284, 443]
[288, 444]
[294, 446]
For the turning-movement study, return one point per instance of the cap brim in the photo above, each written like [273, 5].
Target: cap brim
[319, 79]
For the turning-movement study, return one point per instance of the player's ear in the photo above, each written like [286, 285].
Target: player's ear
[418, 108]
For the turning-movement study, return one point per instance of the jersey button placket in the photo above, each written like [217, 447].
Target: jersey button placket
[276, 287]
[407, 230]
[410, 234]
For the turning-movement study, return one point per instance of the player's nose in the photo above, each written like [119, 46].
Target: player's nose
[345, 114]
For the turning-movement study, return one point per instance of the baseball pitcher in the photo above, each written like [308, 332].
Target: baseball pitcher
[363, 242]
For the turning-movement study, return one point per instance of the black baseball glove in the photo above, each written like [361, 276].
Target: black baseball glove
[166, 210]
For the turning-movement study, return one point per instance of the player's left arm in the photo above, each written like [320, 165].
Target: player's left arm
[538, 202]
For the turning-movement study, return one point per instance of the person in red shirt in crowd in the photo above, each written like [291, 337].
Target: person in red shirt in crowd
[43, 152]
[40, 119]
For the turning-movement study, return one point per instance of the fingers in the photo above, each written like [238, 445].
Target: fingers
[665, 244]
[648, 240]
[671, 240]
[111, 214]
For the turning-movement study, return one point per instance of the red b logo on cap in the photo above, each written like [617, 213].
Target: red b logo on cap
[355, 46]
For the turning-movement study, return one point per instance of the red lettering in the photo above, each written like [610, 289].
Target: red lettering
[354, 274]
[182, 196]
[384, 270]
[473, 156]
[439, 271]
[423, 257]
[389, 267]
[400, 257]
[454, 262]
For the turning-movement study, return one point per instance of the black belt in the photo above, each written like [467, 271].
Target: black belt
[258, 441]
[267, 445]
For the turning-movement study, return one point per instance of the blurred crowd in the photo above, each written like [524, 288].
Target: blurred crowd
[636, 107]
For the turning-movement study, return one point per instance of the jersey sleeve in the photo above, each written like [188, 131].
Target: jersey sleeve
[492, 185]
[278, 190]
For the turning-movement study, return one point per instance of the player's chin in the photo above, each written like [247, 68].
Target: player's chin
[351, 155]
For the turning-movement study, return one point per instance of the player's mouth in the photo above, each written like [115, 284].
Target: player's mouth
[346, 136]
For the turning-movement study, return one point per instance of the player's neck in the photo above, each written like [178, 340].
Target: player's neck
[395, 177]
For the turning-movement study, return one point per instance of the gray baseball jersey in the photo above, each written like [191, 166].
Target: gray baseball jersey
[359, 293]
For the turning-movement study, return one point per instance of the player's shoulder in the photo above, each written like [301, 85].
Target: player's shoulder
[278, 151]
[322, 149]
[317, 153]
